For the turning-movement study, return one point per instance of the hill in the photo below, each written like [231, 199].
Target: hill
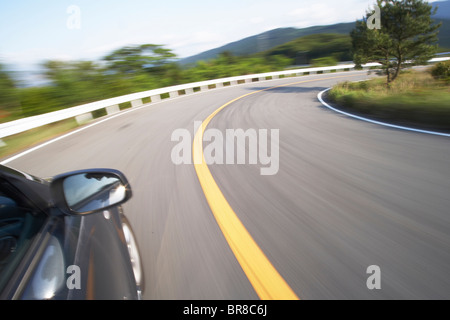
[443, 11]
[276, 37]
[444, 34]
[302, 50]
[267, 40]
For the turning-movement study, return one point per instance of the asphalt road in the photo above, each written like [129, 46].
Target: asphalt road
[347, 195]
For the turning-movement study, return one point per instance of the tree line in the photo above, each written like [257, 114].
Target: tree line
[126, 70]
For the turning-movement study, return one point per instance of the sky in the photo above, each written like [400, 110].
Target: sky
[33, 31]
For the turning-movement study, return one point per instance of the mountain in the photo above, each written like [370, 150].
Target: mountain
[443, 15]
[273, 38]
[302, 50]
[444, 34]
[443, 11]
[267, 40]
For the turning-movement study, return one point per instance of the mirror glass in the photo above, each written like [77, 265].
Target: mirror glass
[88, 192]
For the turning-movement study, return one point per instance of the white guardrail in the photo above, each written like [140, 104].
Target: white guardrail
[83, 113]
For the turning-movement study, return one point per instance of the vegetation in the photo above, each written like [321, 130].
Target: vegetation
[145, 67]
[324, 62]
[8, 95]
[416, 99]
[441, 71]
[406, 33]
[302, 50]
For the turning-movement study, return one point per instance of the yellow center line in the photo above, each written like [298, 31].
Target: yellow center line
[265, 279]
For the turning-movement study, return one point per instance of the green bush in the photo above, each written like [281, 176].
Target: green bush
[324, 62]
[441, 70]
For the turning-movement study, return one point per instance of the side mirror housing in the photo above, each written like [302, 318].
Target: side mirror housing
[88, 191]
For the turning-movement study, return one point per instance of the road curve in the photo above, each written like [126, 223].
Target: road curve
[347, 195]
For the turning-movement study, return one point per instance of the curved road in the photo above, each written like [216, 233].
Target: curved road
[347, 195]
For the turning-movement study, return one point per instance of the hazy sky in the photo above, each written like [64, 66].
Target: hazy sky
[32, 31]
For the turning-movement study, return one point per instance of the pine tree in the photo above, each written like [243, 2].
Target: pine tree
[405, 34]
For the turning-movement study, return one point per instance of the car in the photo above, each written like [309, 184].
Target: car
[67, 237]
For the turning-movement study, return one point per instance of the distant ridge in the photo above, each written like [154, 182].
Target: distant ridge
[443, 11]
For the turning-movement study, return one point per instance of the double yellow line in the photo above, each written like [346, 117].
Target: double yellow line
[265, 279]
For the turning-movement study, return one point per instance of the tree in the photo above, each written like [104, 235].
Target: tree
[63, 72]
[141, 58]
[226, 58]
[8, 94]
[407, 33]
[75, 81]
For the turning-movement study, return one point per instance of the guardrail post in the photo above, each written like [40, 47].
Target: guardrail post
[2, 143]
[233, 83]
[262, 79]
[189, 91]
[204, 88]
[83, 118]
[112, 109]
[156, 98]
[136, 103]
[173, 94]
[219, 85]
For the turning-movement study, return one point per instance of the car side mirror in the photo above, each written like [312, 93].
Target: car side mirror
[89, 191]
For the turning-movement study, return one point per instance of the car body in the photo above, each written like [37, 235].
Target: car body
[67, 237]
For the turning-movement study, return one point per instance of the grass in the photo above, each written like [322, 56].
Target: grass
[414, 99]
[30, 138]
